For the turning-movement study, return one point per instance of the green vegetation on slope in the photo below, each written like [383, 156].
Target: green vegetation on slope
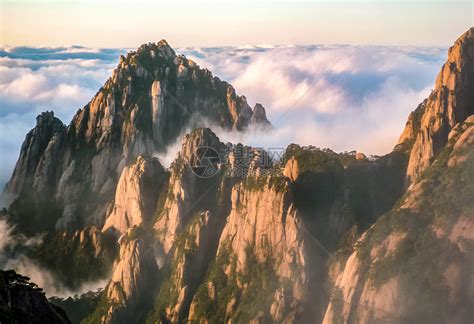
[443, 196]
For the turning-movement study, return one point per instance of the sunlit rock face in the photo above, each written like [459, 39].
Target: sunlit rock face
[262, 255]
[389, 275]
[249, 224]
[185, 190]
[414, 263]
[133, 280]
[450, 103]
[136, 195]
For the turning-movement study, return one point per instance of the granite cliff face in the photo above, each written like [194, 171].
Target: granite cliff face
[151, 98]
[450, 103]
[415, 263]
[186, 193]
[133, 280]
[136, 195]
[261, 271]
[243, 226]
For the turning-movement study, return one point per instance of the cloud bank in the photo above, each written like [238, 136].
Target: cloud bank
[342, 97]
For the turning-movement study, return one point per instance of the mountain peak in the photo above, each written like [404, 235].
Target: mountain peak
[152, 96]
[162, 48]
[450, 103]
[163, 42]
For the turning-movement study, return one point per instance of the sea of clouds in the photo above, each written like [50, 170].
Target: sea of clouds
[336, 96]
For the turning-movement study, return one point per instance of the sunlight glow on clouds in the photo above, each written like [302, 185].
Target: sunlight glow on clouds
[341, 97]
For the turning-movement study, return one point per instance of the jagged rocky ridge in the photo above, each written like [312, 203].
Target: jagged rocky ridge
[334, 238]
[450, 103]
[69, 173]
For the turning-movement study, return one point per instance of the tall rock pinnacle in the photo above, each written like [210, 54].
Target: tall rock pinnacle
[451, 102]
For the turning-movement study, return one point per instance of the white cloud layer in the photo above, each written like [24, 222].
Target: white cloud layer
[342, 97]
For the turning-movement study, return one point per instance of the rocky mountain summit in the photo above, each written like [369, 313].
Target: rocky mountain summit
[151, 98]
[450, 103]
[310, 236]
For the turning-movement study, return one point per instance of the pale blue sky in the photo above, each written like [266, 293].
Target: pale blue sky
[112, 23]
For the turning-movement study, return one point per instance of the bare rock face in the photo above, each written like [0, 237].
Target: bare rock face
[239, 109]
[390, 275]
[248, 226]
[152, 96]
[32, 166]
[451, 102]
[136, 195]
[262, 238]
[412, 125]
[190, 259]
[133, 279]
[291, 169]
[185, 187]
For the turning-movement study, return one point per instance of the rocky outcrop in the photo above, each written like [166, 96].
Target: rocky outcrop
[414, 263]
[412, 125]
[22, 301]
[262, 259]
[291, 169]
[450, 103]
[411, 265]
[136, 195]
[259, 116]
[40, 141]
[133, 279]
[187, 187]
[246, 223]
[152, 96]
[191, 255]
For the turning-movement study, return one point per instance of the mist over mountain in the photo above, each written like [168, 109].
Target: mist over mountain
[64, 79]
[229, 232]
